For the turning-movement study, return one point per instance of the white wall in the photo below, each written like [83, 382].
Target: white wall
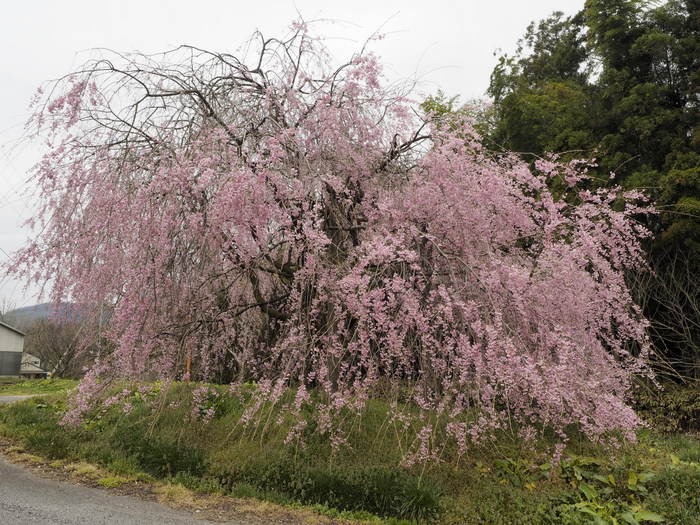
[10, 341]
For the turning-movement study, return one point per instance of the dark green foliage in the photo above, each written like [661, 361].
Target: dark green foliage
[618, 78]
[37, 420]
[554, 116]
[603, 495]
[675, 493]
[380, 490]
[673, 408]
[551, 50]
[618, 82]
[205, 484]
[162, 457]
[543, 101]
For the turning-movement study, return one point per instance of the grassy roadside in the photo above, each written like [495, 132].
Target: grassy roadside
[212, 506]
[36, 387]
[155, 434]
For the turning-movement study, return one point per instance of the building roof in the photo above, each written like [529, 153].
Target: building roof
[31, 369]
[31, 365]
[12, 328]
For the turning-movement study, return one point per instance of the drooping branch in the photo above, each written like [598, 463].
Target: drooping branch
[295, 223]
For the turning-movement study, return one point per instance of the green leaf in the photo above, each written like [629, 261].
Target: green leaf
[628, 518]
[588, 491]
[647, 515]
[585, 508]
[607, 479]
[646, 476]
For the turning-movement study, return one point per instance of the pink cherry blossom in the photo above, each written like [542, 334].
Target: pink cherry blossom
[300, 225]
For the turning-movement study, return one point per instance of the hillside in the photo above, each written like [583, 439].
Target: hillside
[22, 317]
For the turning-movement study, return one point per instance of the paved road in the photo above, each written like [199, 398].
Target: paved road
[28, 499]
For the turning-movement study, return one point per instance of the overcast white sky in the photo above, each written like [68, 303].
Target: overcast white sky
[446, 44]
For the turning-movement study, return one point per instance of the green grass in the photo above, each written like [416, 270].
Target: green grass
[504, 482]
[36, 387]
[111, 482]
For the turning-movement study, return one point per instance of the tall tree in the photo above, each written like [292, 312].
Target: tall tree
[296, 224]
[618, 82]
[541, 94]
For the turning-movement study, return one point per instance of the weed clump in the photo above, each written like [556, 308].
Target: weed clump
[382, 491]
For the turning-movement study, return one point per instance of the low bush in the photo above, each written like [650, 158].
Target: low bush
[673, 408]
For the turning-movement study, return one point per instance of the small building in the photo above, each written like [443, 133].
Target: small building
[31, 367]
[11, 349]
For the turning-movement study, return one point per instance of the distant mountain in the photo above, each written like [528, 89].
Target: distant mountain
[28, 314]
[23, 317]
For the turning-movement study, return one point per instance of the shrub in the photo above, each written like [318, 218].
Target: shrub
[673, 408]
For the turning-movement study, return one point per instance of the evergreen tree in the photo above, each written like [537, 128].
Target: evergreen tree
[618, 82]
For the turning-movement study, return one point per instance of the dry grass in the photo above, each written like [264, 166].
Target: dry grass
[175, 495]
[29, 458]
[111, 482]
[84, 470]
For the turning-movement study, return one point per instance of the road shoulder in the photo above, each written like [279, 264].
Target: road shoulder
[211, 507]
